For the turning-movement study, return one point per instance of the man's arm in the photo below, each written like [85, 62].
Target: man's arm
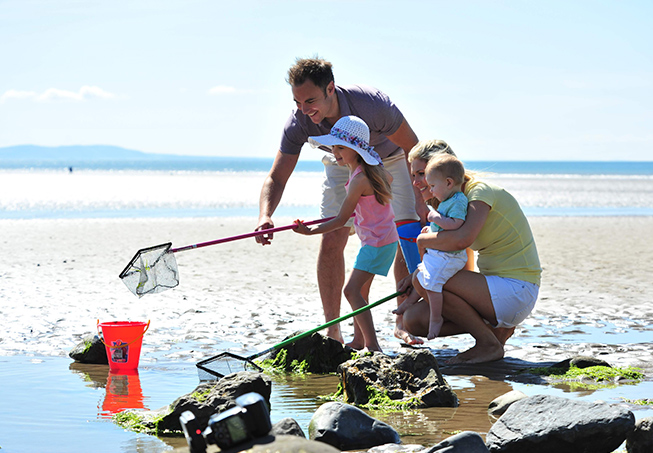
[406, 139]
[272, 190]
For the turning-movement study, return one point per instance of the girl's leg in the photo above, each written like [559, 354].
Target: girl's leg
[360, 281]
[358, 342]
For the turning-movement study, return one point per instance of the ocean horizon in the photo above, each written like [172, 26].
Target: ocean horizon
[230, 187]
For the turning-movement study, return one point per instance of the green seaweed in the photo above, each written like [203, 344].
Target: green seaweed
[596, 373]
[132, 421]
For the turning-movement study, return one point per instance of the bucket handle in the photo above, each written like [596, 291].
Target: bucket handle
[100, 335]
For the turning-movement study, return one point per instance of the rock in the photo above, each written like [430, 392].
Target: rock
[287, 426]
[501, 404]
[580, 361]
[90, 350]
[641, 439]
[207, 399]
[542, 423]
[465, 442]
[396, 448]
[294, 444]
[314, 354]
[349, 428]
[411, 380]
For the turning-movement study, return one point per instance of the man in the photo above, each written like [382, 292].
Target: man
[320, 103]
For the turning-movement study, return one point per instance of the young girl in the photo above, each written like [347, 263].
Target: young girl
[368, 195]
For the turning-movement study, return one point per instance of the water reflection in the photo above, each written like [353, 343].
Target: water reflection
[122, 389]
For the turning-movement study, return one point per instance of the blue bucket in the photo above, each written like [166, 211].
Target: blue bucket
[408, 233]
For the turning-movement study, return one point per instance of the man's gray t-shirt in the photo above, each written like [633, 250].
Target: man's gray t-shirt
[371, 105]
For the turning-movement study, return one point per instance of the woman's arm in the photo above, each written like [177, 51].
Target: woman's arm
[463, 237]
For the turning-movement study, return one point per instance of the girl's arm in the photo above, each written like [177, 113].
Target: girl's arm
[356, 188]
[463, 237]
[446, 223]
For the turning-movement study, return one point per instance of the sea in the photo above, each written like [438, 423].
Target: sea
[230, 187]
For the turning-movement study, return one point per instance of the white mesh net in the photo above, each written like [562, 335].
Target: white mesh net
[152, 270]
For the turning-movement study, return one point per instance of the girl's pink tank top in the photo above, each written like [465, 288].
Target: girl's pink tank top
[374, 223]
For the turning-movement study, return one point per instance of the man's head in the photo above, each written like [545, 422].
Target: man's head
[313, 89]
[316, 70]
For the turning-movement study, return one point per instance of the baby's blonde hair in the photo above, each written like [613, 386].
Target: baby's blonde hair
[448, 166]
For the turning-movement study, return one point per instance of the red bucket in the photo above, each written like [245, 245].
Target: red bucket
[123, 340]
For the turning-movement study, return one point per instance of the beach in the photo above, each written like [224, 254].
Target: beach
[59, 276]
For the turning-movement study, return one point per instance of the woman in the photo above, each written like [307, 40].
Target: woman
[490, 303]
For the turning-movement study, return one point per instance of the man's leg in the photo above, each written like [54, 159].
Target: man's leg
[331, 276]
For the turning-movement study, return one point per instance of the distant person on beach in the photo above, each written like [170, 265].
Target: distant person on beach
[320, 104]
[487, 304]
[368, 196]
[445, 175]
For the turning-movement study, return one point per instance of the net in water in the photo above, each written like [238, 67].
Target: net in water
[152, 270]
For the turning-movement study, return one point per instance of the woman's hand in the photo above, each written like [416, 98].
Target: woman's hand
[405, 285]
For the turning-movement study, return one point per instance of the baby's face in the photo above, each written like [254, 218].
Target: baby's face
[439, 185]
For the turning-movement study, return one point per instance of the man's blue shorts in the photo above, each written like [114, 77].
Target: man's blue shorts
[376, 260]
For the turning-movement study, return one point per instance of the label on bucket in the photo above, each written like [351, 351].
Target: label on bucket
[119, 353]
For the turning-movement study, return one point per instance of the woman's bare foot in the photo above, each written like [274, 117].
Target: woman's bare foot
[503, 333]
[479, 354]
[404, 335]
[355, 345]
[376, 348]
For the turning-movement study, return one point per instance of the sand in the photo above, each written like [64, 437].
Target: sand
[58, 277]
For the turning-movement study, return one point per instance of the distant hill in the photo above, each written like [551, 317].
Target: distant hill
[79, 153]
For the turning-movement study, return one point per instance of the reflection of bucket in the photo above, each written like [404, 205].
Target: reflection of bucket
[123, 392]
[123, 340]
[408, 232]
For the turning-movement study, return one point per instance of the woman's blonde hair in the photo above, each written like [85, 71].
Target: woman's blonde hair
[426, 149]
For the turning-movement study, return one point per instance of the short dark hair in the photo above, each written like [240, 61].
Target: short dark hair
[317, 70]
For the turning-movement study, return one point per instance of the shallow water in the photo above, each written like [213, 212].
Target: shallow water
[53, 404]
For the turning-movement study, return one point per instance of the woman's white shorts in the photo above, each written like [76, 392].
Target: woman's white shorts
[513, 299]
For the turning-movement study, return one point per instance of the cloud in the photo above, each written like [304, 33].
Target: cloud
[85, 93]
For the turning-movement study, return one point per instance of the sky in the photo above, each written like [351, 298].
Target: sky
[498, 80]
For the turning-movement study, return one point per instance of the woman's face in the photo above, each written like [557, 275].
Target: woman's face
[417, 168]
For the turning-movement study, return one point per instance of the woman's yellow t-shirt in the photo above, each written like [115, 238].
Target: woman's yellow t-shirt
[505, 244]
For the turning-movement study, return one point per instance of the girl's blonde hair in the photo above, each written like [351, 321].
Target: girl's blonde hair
[378, 177]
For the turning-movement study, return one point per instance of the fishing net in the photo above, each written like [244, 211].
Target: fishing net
[152, 270]
[219, 366]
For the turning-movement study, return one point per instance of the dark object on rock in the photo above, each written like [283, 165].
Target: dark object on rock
[90, 350]
[580, 361]
[542, 424]
[465, 442]
[641, 439]
[411, 380]
[206, 400]
[500, 404]
[313, 354]
[287, 426]
[349, 428]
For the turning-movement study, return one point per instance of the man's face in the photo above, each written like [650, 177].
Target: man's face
[312, 102]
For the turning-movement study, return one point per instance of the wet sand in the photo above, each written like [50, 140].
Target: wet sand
[58, 277]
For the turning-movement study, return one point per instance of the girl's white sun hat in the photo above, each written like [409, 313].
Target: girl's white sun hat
[352, 132]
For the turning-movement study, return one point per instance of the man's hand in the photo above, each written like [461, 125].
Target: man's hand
[264, 224]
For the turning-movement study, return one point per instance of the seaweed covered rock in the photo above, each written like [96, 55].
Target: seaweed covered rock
[409, 381]
[313, 354]
[207, 399]
[90, 350]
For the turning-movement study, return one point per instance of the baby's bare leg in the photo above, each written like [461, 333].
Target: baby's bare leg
[435, 317]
